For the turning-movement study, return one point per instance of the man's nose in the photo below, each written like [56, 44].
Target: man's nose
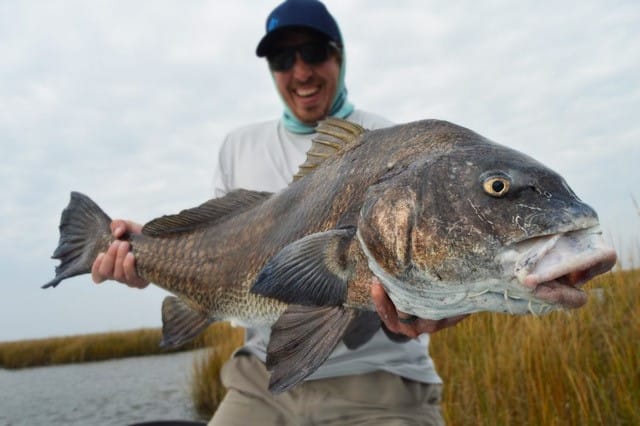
[301, 70]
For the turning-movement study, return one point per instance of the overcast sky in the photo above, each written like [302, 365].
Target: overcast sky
[128, 102]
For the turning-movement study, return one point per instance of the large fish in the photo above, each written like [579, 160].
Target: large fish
[448, 221]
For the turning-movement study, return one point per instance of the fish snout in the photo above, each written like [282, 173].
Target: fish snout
[567, 217]
[554, 268]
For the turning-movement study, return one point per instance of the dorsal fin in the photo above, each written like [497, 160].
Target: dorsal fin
[205, 214]
[334, 135]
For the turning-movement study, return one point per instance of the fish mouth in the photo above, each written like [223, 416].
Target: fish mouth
[553, 269]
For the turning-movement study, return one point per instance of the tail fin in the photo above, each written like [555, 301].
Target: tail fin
[83, 226]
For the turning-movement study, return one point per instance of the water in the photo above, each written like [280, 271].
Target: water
[117, 392]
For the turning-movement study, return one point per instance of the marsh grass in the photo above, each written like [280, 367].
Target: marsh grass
[84, 348]
[578, 367]
[567, 368]
[206, 389]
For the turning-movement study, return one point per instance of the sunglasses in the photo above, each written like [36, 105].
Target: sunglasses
[313, 53]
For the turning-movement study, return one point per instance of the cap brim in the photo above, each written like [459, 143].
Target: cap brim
[264, 46]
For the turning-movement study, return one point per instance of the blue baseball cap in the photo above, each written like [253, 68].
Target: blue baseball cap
[310, 14]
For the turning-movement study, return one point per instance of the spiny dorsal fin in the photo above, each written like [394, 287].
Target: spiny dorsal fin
[333, 136]
[205, 214]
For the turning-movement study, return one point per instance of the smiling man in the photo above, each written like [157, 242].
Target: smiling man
[380, 383]
[308, 86]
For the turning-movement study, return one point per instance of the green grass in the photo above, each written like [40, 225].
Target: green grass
[206, 389]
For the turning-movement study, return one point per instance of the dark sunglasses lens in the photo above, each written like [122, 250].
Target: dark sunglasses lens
[311, 53]
[314, 53]
[282, 60]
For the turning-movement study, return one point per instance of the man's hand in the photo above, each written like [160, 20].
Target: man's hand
[399, 322]
[118, 263]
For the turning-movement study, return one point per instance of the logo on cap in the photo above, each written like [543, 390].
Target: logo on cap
[273, 23]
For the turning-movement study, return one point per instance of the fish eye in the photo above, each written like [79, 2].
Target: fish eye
[496, 186]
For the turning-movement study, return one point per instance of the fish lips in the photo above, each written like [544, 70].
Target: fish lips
[555, 267]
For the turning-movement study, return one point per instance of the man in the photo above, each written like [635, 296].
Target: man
[380, 383]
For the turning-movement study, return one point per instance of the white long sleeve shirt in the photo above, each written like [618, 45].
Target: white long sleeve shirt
[264, 157]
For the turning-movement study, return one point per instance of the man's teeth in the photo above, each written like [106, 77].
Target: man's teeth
[306, 92]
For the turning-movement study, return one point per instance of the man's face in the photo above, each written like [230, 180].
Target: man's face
[308, 90]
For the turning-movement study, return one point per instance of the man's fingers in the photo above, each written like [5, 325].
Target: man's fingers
[405, 318]
[389, 315]
[121, 248]
[383, 304]
[95, 270]
[403, 323]
[454, 320]
[431, 326]
[129, 267]
[118, 262]
[105, 269]
[120, 228]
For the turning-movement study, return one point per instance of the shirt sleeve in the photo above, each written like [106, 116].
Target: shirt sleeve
[222, 171]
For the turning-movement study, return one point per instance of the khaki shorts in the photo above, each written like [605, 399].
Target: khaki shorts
[377, 398]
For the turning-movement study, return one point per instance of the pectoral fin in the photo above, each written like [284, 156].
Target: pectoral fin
[311, 271]
[180, 322]
[301, 340]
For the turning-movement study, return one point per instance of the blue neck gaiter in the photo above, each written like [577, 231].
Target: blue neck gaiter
[340, 108]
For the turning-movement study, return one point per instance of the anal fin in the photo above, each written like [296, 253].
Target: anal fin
[301, 340]
[180, 322]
